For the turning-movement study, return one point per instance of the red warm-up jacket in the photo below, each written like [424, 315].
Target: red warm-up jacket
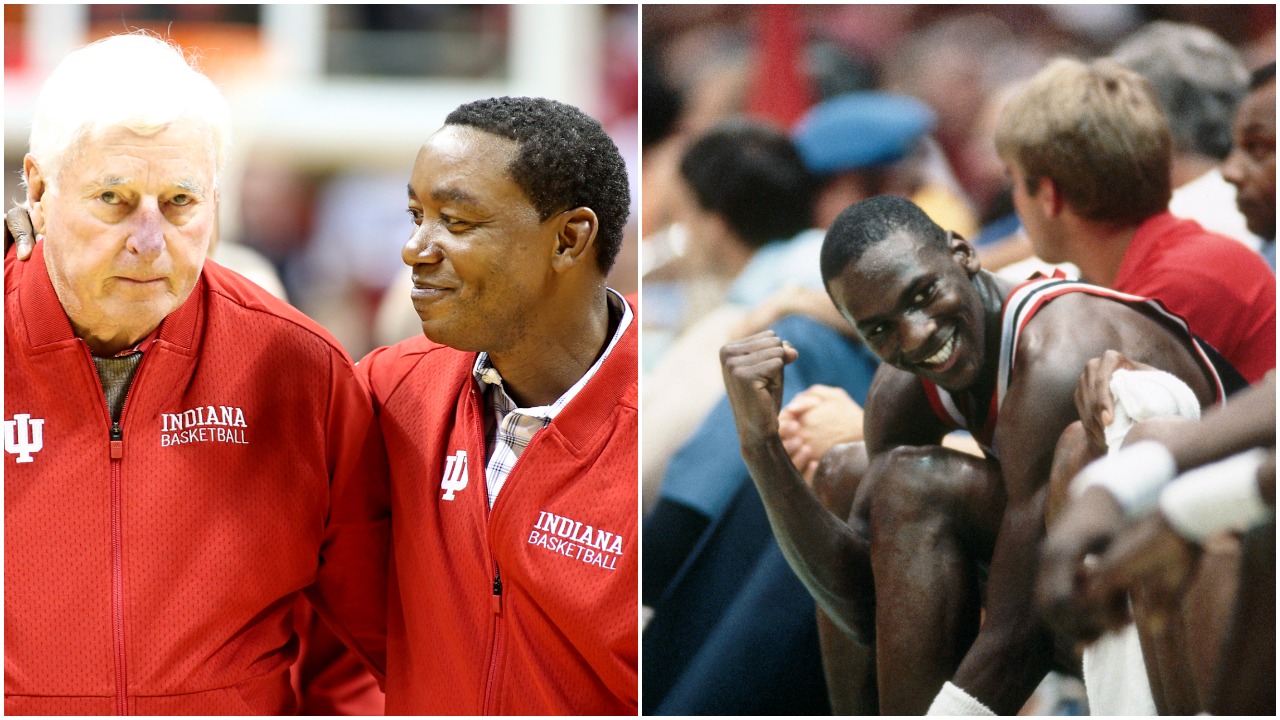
[153, 568]
[531, 608]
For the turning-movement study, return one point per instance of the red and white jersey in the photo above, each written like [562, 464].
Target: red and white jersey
[1022, 305]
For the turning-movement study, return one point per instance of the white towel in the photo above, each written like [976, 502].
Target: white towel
[1115, 675]
[1142, 394]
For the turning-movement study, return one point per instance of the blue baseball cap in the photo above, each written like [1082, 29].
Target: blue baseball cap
[861, 130]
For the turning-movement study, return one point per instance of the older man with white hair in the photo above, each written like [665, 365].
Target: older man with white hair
[184, 453]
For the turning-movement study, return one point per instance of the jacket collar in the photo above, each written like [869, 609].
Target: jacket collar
[583, 417]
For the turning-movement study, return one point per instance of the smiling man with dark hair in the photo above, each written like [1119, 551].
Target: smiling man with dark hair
[963, 349]
[511, 426]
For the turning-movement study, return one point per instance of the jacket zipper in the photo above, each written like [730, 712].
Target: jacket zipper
[116, 452]
[498, 637]
[496, 597]
[117, 571]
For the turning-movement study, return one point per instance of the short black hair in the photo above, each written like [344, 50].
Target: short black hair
[752, 176]
[1262, 76]
[663, 102]
[866, 223]
[566, 160]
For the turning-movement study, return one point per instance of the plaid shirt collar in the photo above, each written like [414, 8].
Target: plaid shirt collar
[509, 428]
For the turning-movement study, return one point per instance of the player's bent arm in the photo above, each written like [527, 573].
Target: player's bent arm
[1247, 421]
[825, 553]
[838, 574]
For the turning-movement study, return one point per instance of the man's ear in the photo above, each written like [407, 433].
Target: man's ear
[576, 231]
[217, 225]
[965, 253]
[36, 189]
[1048, 196]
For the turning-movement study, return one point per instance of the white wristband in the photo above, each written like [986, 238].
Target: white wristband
[1134, 475]
[1217, 497]
[952, 700]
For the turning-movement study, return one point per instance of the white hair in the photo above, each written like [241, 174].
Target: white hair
[136, 81]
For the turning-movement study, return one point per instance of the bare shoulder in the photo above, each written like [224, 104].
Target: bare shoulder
[1075, 324]
[1073, 329]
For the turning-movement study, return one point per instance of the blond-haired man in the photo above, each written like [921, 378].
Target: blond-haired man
[1087, 146]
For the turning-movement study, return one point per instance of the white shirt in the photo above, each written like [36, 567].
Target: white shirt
[1211, 201]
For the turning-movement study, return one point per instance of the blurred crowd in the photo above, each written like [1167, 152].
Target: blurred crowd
[704, 65]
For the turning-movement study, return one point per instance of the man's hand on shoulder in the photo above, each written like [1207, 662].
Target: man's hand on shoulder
[18, 231]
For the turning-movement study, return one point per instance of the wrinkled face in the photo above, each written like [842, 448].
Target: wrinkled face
[1032, 216]
[481, 256]
[127, 227]
[1251, 166]
[916, 308]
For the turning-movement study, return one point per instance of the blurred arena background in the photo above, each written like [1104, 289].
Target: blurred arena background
[330, 104]
[704, 64]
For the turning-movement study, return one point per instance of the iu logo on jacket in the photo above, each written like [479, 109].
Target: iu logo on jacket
[454, 478]
[23, 436]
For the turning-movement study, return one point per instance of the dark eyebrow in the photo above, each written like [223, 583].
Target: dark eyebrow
[904, 299]
[448, 194]
[412, 195]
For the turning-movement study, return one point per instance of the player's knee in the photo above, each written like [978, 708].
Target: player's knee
[839, 475]
[912, 484]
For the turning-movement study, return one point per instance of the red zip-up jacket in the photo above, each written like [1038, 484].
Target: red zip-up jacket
[531, 608]
[153, 568]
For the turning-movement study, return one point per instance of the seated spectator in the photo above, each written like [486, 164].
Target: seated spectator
[745, 202]
[727, 612]
[872, 143]
[1109, 216]
[1199, 80]
[1251, 166]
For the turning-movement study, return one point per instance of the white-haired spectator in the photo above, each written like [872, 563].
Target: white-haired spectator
[1199, 80]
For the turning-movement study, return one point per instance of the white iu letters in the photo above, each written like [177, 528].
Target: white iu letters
[23, 436]
[455, 474]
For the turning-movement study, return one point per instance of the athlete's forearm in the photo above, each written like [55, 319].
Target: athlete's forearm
[829, 557]
[1247, 421]
[1014, 649]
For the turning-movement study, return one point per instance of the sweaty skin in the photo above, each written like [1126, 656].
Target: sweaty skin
[924, 515]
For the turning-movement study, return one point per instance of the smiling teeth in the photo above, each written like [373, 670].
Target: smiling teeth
[944, 354]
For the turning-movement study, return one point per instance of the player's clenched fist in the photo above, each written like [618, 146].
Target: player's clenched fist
[752, 370]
